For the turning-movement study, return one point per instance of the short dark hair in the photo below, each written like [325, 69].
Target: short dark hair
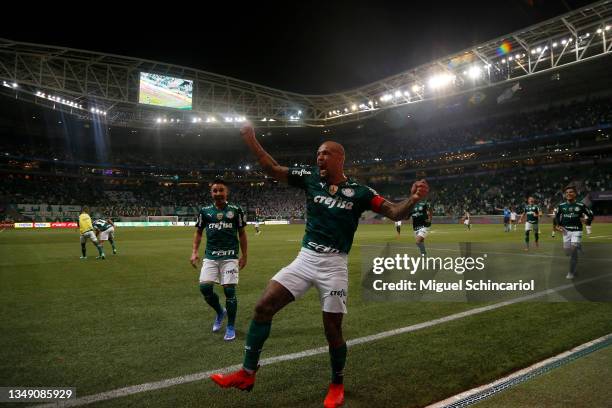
[219, 181]
[85, 209]
[570, 187]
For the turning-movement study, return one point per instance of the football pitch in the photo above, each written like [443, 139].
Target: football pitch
[138, 317]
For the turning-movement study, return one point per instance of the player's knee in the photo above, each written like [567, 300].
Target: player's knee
[206, 288]
[264, 310]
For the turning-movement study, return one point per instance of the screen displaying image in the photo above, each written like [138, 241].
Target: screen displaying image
[161, 90]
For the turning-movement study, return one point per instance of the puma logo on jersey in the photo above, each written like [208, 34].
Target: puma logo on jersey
[332, 202]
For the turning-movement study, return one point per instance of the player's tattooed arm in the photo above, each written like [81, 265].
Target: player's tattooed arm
[267, 162]
[197, 239]
[401, 210]
[242, 237]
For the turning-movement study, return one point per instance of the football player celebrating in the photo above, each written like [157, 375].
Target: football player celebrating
[531, 215]
[569, 221]
[421, 222]
[224, 223]
[334, 206]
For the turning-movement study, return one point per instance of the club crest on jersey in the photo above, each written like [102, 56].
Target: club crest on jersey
[333, 189]
[349, 192]
[577, 209]
[219, 216]
[230, 214]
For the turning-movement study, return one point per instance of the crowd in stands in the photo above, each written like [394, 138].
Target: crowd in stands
[479, 193]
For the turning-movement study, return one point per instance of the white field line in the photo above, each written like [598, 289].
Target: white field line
[531, 368]
[170, 382]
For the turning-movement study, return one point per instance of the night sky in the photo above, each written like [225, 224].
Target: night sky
[307, 47]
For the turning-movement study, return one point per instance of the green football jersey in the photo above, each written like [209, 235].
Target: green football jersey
[331, 216]
[420, 215]
[221, 230]
[532, 213]
[568, 215]
[101, 225]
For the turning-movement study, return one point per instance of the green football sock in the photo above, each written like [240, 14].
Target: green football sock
[256, 337]
[211, 297]
[231, 304]
[112, 242]
[337, 357]
[527, 238]
[83, 250]
[421, 246]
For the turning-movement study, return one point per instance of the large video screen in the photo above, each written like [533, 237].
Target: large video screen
[161, 90]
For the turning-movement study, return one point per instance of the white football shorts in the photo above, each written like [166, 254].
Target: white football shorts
[221, 271]
[326, 272]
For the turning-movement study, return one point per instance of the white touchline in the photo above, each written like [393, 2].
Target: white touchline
[170, 382]
[531, 368]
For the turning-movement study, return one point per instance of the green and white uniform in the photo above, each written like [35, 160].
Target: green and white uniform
[420, 219]
[532, 217]
[333, 214]
[105, 228]
[220, 263]
[569, 217]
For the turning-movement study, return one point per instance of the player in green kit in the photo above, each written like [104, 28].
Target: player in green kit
[531, 215]
[421, 222]
[334, 205]
[569, 215]
[105, 231]
[224, 223]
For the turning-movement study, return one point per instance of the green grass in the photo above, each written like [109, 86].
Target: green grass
[139, 317]
[566, 386]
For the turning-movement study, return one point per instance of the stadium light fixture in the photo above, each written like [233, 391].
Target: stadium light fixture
[441, 80]
[415, 88]
[15, 85]
[474, 72]
[398, 94]
[406, 94]
[165, 120]
[345, 110]
[607, 28]
[564, 41]
[353, 107]
[503, 61]
[158, 120]
[247, 167]
[271, 120]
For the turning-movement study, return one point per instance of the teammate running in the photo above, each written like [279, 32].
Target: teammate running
[87, 233]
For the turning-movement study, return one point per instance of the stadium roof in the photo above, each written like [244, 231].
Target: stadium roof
[105, 87]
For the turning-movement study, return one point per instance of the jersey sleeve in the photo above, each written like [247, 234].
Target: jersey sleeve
[300, 176]
[372, 200]
[201, 221]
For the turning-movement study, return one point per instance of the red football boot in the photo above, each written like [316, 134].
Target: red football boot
[335, 396]
[240, 379]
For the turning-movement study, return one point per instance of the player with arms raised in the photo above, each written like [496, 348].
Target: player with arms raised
[334, 206]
